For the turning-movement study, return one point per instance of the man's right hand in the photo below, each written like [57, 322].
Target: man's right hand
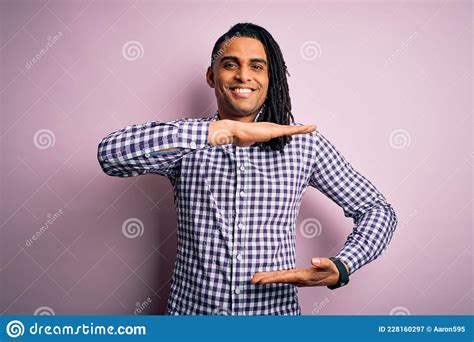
[248, 133]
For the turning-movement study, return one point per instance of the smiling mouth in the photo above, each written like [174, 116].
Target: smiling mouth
[241, 92]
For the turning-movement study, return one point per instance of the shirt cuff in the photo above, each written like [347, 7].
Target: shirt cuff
[193, 134]
[342, 255]
[188, 135]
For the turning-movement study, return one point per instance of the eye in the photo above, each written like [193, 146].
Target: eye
[257, 67]
[229, 65]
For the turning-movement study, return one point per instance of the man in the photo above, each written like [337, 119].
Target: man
[238, 178]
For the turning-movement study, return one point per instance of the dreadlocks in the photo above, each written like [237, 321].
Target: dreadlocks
[277, 106]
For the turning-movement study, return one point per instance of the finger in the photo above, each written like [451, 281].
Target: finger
[268, 273]
[310, 128]
[260, 275]
[256, 278]
[292, 130]
[298, 128]
[280, 278]
[295, 277]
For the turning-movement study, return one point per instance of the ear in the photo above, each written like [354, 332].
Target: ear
[210, 77]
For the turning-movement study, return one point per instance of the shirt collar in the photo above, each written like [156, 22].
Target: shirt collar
[216, 115]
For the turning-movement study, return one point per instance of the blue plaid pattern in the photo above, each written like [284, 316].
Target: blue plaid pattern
[237, 209]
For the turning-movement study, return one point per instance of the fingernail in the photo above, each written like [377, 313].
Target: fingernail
[316, 261]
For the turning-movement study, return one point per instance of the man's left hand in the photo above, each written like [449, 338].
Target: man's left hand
[323, 272]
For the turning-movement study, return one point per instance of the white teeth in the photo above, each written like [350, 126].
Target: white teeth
[242, 90]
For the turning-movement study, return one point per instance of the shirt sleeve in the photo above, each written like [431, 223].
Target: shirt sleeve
[137, 150]
[374, 218]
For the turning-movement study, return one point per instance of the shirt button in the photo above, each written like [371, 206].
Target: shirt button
[147, 155]
[242, 193]
[240, 225]
[237, 290]
[192, 144]
[239, 257]
[242, 168]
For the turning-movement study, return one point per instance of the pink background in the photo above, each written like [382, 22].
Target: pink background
[388, 83]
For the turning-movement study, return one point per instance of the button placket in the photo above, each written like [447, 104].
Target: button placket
[243, 224]
[243, 193]
[240, 199]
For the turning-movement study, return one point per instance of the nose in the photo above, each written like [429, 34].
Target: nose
[243, 74]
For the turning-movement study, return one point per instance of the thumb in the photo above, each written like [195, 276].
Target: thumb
[322, 263]
[316, 262]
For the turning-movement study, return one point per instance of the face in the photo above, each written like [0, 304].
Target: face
[240, 77]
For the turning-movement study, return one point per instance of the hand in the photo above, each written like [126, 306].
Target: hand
[322, 273]
[248, 133]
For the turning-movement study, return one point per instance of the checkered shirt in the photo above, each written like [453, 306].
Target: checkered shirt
[237, 209]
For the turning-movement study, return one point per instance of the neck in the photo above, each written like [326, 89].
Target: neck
[248, 118]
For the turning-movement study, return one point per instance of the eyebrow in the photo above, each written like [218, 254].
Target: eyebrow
[236, 59]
